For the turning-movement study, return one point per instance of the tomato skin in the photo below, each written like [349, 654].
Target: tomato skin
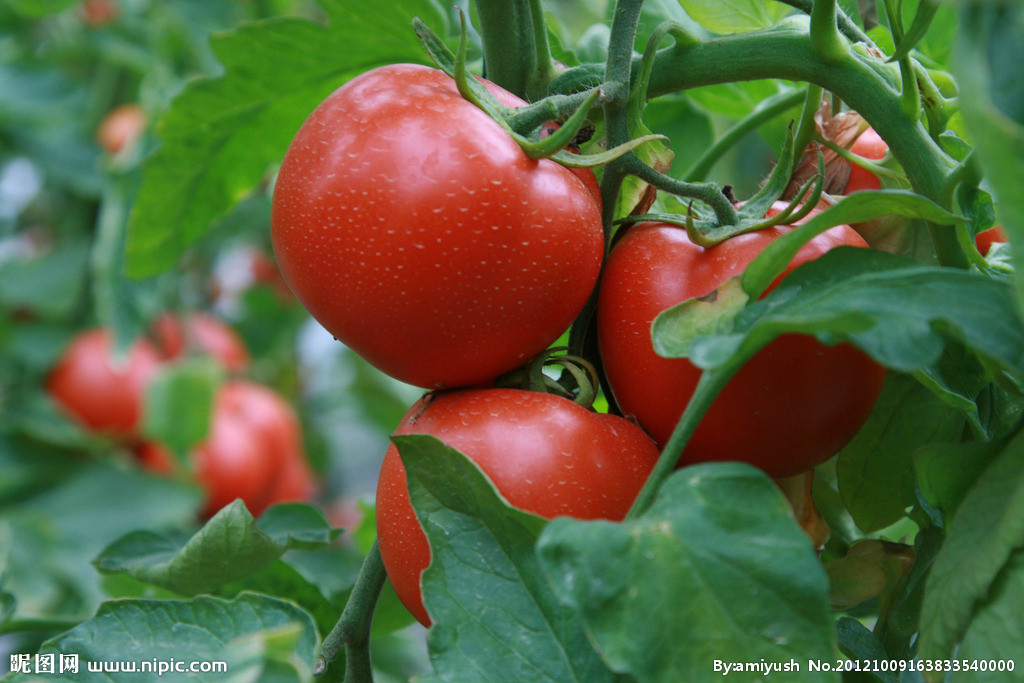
[984, 240]
[253, 451]
[544, 454]
[101, 392]
[418, 233]
[204, 333]
[869, 145]
[792, 406]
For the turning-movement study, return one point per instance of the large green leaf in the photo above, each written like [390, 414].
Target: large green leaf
[53, 535]
[221, 134]
[996, 633]
[494, 616]
[897, 310]
[254, 637]
[228, 548]
[987, 531]
[735, 16]
[876, 469]
[716, 570]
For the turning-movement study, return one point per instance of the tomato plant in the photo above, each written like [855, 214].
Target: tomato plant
[418, 233]
[544, 454]
[571, 199]
[100, 389]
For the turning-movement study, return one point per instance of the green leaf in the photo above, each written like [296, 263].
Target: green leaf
[946, 471]
[923, 17]
[221, 134]
[986, 532]
[876, 469]
[997, 631]
[494, 616]
[228, 548]
[48, 286]
[717, 562]
[859, 207]
[40, 8]
[735, 16]
[55, 534]
[253, 637]
[179, 403]
[859, 644]
[897, 310]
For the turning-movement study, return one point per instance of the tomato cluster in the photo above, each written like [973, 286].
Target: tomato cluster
[417, 232]
[254, 447]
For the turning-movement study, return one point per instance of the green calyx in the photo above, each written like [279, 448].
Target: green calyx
[578, 380]
[712, 230]
[552, 146]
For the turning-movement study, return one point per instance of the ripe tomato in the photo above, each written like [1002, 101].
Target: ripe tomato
[203, 333]
[869, 145]
[102, 392]
[985, 240]
[121, 129]
[418, 233]
[253, 451]
[544, 453]
[792, 406]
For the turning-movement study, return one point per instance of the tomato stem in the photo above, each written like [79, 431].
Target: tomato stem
[353, 628]
[825, 37]
[517, 55]
[708, 193]
[806, 128]
[710, 385]
[845, 24]
[867, 84]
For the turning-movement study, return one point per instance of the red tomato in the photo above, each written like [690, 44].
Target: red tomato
[121, 129]
[253, 451]
[100, 391]
[97, 13]
[985, 240]
[792, 406]
[870, 146]
[203, 333]
[418, 233]
[544, 453]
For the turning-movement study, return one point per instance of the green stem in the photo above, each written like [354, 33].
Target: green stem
[708, 388]
[825, 37]
[543, 71]
[709, 193]
[909, 95]
[617, 77]
[353, 628]
[807, 127]
[872, 89]
[765, 111]
[511, 51]
[847, 26]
